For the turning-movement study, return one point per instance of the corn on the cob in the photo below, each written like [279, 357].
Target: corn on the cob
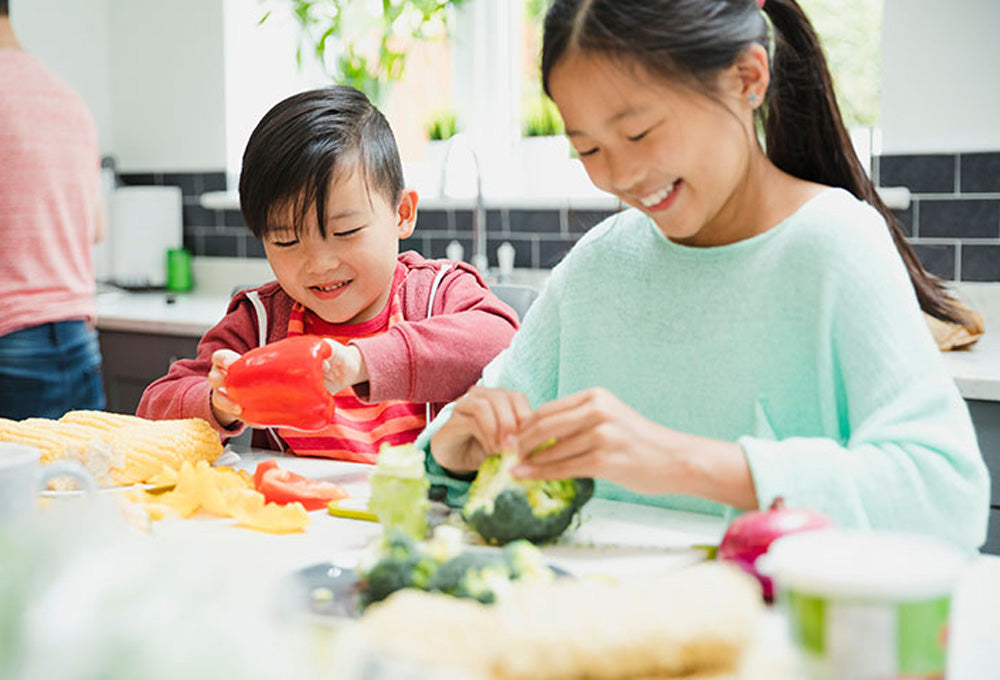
[147, 447]
[115, 448]
[101, 420]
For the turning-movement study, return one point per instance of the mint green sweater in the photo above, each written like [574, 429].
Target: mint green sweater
[804, 344]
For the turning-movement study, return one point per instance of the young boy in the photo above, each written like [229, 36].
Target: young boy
[322, 187]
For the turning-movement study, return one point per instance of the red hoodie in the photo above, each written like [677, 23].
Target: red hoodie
[431, 359]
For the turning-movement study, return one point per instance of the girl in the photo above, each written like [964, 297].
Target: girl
[751, 328]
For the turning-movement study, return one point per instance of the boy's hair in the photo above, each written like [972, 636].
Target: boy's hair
[300, 145]
[691, 41]
[4, 8]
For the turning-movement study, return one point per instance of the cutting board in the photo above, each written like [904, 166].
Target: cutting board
[145, 222]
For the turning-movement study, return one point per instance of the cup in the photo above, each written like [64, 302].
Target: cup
[866, 604]
[21, 478]
[179, 270]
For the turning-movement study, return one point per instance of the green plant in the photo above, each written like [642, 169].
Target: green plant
[363, 43]
[441, 125]
[542, 118]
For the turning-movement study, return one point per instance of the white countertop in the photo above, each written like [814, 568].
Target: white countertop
[187, 314]
[200, 595]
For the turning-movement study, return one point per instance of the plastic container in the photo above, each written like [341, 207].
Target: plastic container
[179, 270]
[866, 604]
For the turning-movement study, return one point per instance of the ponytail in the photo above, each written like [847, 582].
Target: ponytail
[806, 137]
[691, 41]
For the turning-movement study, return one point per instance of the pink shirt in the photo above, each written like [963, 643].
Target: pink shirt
[49, 187]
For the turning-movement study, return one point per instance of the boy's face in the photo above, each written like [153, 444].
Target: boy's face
[347, 276]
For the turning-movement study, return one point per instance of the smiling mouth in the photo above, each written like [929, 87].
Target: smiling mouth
[657, 197]
[329, 288]
[334, 286]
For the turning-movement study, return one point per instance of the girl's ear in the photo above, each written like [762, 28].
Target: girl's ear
[747, 79]
[406, 213]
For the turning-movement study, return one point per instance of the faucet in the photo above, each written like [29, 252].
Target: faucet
[479, 258]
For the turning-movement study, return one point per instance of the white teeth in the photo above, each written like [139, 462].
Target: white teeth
[654, 198]
[327, 289]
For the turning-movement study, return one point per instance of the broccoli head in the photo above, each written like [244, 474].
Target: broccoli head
[502, 509]
[402, 565]
[472, 575]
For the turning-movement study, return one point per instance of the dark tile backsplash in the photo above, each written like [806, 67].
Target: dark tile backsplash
[953, 220]
[954, 216]
[922, 174]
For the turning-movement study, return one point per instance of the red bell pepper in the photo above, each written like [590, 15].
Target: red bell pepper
[281, 384]
[282, 486]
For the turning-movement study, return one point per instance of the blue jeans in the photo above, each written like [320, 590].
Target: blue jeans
[49, 369]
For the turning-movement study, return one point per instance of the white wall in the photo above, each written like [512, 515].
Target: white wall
[940, 76]
[71, 37]
[260, 70]
[168, 85]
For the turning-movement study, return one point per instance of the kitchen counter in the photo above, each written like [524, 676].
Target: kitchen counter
[219, 598]
[185, 314]
[976, 371]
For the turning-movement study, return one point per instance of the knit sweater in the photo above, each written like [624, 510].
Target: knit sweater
[805, 344]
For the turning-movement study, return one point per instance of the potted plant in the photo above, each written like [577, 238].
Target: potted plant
[440, 128]
[544, 149]
[364, 44]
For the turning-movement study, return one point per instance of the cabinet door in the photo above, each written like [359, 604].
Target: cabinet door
[133, 360]
[986, 417]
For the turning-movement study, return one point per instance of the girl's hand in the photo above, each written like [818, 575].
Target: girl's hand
[596, 435]
[484, 421]
[344, 368]
[225, 410]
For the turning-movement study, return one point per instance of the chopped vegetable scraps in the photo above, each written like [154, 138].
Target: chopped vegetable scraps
[223, 492]
[282, 486]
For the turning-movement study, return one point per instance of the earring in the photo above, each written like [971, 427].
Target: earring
[753, 99]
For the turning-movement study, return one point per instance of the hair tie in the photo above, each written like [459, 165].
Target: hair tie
[761, 3]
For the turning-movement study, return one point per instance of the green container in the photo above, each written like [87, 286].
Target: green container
[179, 270]
[866, 605]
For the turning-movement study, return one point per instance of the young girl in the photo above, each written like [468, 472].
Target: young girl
[751, 328]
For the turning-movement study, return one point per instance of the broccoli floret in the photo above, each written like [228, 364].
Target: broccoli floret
[503, 509]
[472, 575]
[402, 565]
[525, 560]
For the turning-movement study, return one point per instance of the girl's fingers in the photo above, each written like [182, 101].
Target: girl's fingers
[537, 434]
[575, 466]
[560, 450]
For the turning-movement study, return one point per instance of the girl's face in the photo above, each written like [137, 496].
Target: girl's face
[671, 152]
[347, 276]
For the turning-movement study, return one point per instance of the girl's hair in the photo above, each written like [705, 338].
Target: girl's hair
[691, 41]
[300, 145]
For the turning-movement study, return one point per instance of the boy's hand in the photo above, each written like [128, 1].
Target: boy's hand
[344, 368]
[225, 411]
[485, 421]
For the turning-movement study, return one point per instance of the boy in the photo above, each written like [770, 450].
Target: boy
[322, 187]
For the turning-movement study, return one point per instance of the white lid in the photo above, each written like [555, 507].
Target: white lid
[864, 564]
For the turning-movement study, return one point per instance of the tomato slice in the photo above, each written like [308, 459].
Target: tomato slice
[282, 486]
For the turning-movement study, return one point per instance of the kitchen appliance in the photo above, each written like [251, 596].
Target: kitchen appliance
[145, 223]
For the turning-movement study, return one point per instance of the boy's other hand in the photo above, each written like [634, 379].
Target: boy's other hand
[225, 410]
[344, 368]
[485, 421]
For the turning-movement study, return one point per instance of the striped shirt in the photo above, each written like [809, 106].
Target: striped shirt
[358, 429]
[49, 187]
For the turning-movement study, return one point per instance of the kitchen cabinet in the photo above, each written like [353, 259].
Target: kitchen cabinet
[132, 360]
[986, 417]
